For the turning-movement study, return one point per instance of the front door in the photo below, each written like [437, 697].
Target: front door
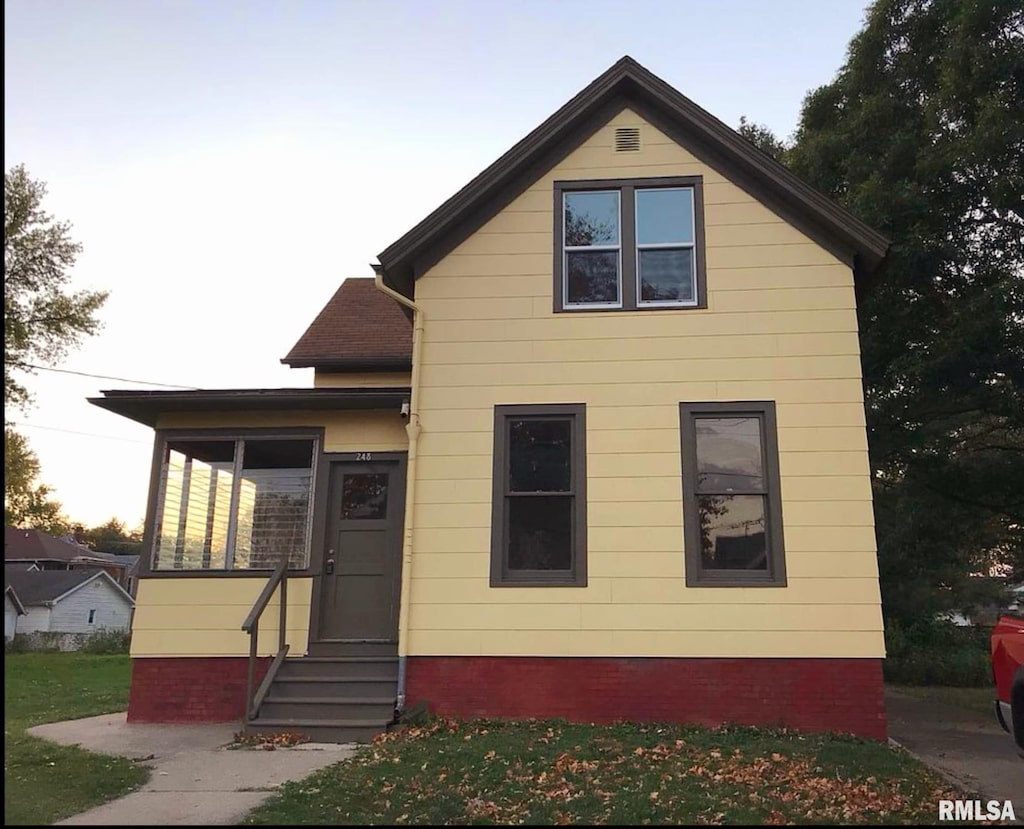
[363, 551]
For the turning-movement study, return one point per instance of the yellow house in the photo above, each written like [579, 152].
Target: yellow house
[591, 444]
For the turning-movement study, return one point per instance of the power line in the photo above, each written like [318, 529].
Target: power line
[73, 432]
[104, 376]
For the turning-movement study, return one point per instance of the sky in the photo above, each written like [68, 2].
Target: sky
[226, 165]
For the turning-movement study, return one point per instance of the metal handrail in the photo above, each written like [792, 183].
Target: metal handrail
[251, 625]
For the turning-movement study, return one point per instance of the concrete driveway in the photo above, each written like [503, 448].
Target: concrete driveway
[965, 745]
[196, 780]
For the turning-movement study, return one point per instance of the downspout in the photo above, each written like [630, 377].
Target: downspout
[412, 429]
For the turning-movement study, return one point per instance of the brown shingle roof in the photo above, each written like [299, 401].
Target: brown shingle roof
[34, 545]
[360, 329]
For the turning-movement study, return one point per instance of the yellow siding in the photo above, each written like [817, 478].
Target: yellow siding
[362, 379]
[780, 325]
[348, 431]
[203, 616]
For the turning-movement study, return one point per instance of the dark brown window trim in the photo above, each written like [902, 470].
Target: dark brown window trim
[627, 238]
[577, 575]
[696, 576]
[160, 439]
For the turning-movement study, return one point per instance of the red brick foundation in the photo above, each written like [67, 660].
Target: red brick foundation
[189, 689]
[842, 695]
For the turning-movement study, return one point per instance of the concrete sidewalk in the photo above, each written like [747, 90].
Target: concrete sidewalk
[195, 780]
[965, 745]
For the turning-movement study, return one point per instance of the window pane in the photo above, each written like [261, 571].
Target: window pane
[539, 455]
[732, 532]
[664, 215]
[274, 502]
[364, 496]
[540, 533]
[591, 219]
[666, 275]
[592, 277]
[192, 530]
[729, 454]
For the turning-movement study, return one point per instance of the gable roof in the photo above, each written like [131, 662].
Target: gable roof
[628, 84]
[43, 587]
[359, 329]
[13, 596]
[35, 545]
[9, 590]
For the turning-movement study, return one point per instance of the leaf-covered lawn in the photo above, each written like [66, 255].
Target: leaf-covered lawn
[515, 772]
[44, 782]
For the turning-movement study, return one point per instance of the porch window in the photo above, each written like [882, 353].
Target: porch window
[234, 503]
[539, 499]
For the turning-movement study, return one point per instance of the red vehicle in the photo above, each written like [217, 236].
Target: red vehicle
[1008, 673]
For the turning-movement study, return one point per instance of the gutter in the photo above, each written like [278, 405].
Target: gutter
[412, 429]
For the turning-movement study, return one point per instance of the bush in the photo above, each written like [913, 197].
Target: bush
[107, 641]
[103, 641]
[936, 652]
[18, 644]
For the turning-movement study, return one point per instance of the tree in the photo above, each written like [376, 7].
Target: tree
[42, 319]
[763, 138]
[921, 135]
[27, 502]
[111, 537]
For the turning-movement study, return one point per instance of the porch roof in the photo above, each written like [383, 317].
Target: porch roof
[147, 406]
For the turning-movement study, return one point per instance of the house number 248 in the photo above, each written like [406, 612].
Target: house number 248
[364, 456]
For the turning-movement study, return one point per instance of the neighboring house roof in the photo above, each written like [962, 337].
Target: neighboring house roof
[359, 329]
[147, 406]
[628, 84]
[127, 560]
[47, 587]
[26, 545]
[11, 594]
[34, 545]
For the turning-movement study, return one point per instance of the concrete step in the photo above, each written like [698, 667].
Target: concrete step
[346, 687]
[378, 667]
[353, 649]
[320, 731]
[378, 709]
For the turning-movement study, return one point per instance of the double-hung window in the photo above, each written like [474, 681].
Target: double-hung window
[732, 503]
[234, 502]
[539, 522]
[629, 244]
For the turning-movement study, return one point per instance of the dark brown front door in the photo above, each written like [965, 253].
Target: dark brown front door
[362, 558]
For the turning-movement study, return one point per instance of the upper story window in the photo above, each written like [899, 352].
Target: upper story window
[234, 503]
[629, 244]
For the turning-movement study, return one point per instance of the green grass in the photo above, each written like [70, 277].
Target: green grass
[44, 782]
[980, 700]
[534, 772]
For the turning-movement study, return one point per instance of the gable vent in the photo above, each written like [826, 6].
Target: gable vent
[627, 139]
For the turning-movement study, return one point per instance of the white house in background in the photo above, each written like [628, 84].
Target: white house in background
[69, 601]
[13, 608]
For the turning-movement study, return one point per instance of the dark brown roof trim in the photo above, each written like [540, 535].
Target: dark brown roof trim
[365, 364]
[147, 406]
[627, 83]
